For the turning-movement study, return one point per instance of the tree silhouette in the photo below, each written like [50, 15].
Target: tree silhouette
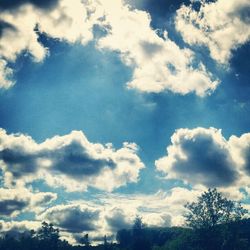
[212, 209]
[140, 241]
[48, 235]
[211, 218]
[85, 241]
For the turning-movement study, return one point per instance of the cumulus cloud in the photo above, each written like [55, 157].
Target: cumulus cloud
[199, 156]
[16, 201]
[72, 218]
[220, 25]
[158, 63]
[70, 161]
[203, 156]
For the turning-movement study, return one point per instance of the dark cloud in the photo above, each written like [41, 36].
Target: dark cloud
[16, 229]
[151, 48]
[200, 156]
[45, 198]
[71, 156]
[158, 8]
[5, 26]
[19, 161]
[207, 161]
[117, 220]
[44, 4]
[8, 207]
[16, 201]
[74, 219]
[74, 160]
[243, 12]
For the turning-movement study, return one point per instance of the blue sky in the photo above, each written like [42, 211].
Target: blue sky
[162, 81]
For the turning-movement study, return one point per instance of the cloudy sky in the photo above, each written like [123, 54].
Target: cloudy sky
[109, 109]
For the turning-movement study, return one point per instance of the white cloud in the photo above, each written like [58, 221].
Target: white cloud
[158, 63]
[70, 161]
[222, 26]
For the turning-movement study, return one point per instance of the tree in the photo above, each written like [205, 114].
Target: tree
[48, 236]
[211, 218]
[138, 224]
[212, 209]
[124, 237]
[85, 240]
[140, 241]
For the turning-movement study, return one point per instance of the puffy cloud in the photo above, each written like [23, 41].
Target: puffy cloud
[158, 63]
[203, 156]
[70, 161]
[72, 218]
[220, 25]
[16, 201]
[200, 156]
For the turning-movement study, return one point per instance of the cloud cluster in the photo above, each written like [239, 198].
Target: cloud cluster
[108, 213]
[70, 161]
[158, 63]
[16, 201]
[220, 25]
[203, 156]
[105, 215]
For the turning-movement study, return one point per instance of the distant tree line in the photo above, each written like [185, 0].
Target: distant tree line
[212, 223]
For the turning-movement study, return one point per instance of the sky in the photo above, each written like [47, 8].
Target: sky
[112, 109]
